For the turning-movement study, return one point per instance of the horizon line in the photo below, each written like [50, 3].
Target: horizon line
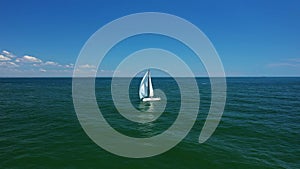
[2, 77]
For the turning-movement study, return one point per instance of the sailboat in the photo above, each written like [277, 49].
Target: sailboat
[146, 90]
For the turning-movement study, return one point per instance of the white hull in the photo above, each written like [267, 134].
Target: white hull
[149, 99]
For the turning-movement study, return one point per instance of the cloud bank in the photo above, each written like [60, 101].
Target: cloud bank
[28, 65]
[292, 62]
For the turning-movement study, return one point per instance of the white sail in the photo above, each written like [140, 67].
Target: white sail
[151, 94]
[146, 90]
[143, 92]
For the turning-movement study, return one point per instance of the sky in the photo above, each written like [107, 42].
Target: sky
[252, 37]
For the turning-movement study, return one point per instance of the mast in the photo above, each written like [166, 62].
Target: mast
[148, 82]
[151, 94]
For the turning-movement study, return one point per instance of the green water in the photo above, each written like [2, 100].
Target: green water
[260, 127]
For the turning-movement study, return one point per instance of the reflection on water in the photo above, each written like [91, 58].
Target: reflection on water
[145, 106]
[148, 113]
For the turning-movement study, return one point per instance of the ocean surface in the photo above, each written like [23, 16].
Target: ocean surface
[260, 127]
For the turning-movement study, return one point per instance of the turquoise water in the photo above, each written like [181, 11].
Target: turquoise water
[260, 127]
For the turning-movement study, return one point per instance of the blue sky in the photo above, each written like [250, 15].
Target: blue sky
[252, 38]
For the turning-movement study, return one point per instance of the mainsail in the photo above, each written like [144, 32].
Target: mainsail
[151, 94]
[146, 90]
[143, 92]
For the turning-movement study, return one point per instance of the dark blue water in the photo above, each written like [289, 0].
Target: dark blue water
[260, 127]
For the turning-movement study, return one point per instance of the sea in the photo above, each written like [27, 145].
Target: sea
[260, 126]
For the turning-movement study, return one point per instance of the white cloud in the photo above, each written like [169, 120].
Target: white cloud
[51, 63]
[69, 65]
[47, 63]
[282, 65]
[29, 59]
[85, 72]
[42, 70]
[7, 54]
[11, 65]
[293, 62]
[8, 64]
[4, 58]
[87, 66]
